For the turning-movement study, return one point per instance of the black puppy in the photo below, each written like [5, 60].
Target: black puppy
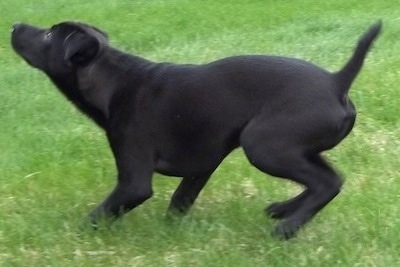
[183, 120]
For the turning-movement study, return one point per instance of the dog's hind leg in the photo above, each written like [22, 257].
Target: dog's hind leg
[280, 152]
[186, 194]
[323, 184]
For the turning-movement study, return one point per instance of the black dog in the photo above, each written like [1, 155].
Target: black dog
[183, 120]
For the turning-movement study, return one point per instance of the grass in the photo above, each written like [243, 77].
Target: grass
[55, 165]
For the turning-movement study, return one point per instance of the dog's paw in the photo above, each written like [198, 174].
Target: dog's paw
[88, 223]
[286, 230]
[172, 217]
[277, 211]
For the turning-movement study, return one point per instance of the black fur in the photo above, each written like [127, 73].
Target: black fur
[183, 120]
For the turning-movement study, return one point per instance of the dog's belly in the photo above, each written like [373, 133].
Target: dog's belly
[194, 161]
[184, 168]
[171, 169]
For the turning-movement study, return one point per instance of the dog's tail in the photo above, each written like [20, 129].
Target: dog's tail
[349, 72]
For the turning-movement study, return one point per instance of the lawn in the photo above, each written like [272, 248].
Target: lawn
[55, 164]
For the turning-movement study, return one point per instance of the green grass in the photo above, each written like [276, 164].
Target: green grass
[55, 165]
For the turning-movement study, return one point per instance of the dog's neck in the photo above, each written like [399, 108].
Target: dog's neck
[70, 90]
[93, 88]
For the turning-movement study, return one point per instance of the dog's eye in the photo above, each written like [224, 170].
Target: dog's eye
[49, 34]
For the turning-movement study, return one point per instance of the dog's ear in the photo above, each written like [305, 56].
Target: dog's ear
[80, 48]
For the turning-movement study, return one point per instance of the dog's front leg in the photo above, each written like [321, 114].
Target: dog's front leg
[135, 167]
[186, 194]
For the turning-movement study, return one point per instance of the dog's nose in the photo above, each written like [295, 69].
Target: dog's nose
[15, 26]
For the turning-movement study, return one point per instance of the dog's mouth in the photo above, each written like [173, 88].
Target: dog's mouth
[21, 42]
[17, 45]
[16, 27]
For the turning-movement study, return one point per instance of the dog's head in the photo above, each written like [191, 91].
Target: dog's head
[60, 49]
